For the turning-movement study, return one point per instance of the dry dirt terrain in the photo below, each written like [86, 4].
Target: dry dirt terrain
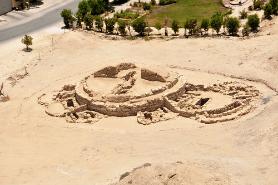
[38, 149]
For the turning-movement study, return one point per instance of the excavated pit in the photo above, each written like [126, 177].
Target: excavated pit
[152, 95]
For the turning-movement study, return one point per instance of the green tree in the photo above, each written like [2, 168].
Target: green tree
[146, 6]
[28, 41]
[122, 27]
[232, 24]
[110, 24]
[268, 11]
[83, 9]
[216, 22]
[68, 18]
[139, 26]
[99, 23]
[79, 19]
[98, 7]
[274, 4]
[190, 24]
[253, 22]
[89, 21]
[175, 26]
[205, 24]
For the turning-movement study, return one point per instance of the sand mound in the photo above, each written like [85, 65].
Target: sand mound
[152, 94]
[175, 174]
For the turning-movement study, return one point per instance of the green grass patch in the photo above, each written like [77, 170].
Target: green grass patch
[126, 15]
[185, 9]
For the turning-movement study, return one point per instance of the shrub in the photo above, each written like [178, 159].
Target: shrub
[28, 41]
[83, 9]
[158, 26]
[257, 4]
[68, 18]
[243, 14]
[153, 2]
[253, 22]
[274, 4]
[139, 26]
[232, 24]
[216, 22]
[205, 24]
[166, 2]
[197, 30]
[110, 24]
[175, 26]
[98, 7]
[121, 27]
[79, 19]
[99, 23]
[89, 21]
[146, 6]
[267, 11]
[246, 30]
[190, 24]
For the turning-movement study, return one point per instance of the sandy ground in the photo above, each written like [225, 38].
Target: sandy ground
[37, 149]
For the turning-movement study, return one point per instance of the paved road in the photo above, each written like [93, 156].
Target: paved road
[45, 18]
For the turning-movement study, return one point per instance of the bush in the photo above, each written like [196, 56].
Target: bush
[190, 24]
[267, 11]
[98, 7]
[28, 41]
[274, 4]
[68, 18]
[139, 26]
[99, 23]
[79, 19]
[146, 6]
[110, 24]
[258, 4]
[121, 27]
[158, 26]
[253, 22]
[89, 21]
[205, 24]
[153, 2]
[232, 24]
[166, 2]
[126, 14]
[246, 30]
[243, 14]
[216, 22]
[175, 26]
[83, 9]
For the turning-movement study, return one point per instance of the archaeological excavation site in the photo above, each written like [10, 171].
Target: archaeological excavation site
[151, 94]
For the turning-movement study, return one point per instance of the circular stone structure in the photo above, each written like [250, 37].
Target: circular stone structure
[152, 95]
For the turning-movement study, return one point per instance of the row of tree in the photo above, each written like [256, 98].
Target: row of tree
[192, 27]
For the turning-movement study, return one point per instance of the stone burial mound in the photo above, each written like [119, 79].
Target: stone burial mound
[176, 174]
[152, 95]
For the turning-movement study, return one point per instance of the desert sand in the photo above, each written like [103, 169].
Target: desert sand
[38, 149]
